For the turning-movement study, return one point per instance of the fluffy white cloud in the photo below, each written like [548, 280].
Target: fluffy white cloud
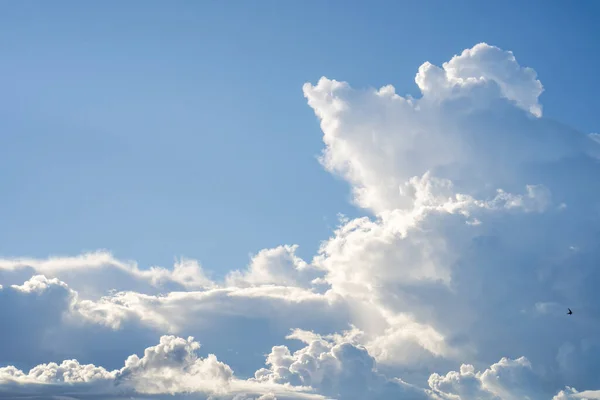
[480, 65]
[476, 214]
[46, 318]
[481, 227]
[278, 266]
[570, 393]
[95, 274]
[336, 366]
[171, 367]
[464, 128]
[507, 379]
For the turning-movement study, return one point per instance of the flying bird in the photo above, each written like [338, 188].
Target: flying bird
[570, 312]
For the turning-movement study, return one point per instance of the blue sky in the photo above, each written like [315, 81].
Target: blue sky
[165, 129]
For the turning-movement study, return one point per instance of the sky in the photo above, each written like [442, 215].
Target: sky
[159, 131]
[299, 200]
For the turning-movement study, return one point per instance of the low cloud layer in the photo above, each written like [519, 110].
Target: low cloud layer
[479, 227]
[170, 367]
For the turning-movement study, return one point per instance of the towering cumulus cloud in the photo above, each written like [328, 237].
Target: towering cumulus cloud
[480, 227]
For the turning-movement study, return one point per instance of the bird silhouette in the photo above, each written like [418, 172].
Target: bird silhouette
[570, 312]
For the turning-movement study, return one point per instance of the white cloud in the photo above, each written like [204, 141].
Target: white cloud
[278, 266]
[507, 380]
[570, 393]
[95, 274]
[471, 134]
[482, 227]
[475, 210]
[45, 318]
[336, 366]
[171, 367]
[479, 65]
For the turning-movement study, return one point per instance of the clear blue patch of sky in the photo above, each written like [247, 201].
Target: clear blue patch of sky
[159, 129]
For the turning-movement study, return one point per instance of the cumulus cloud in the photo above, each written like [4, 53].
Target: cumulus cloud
[507, 379]
[465, 127]
[475, 213]
[171, 367]
[479, 231]
[336, 366]
[570, 393]
[45, 318]
[480, 65]
[98, 273]
[278, 266]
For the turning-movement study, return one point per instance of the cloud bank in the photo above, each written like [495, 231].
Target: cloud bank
[479, 230]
